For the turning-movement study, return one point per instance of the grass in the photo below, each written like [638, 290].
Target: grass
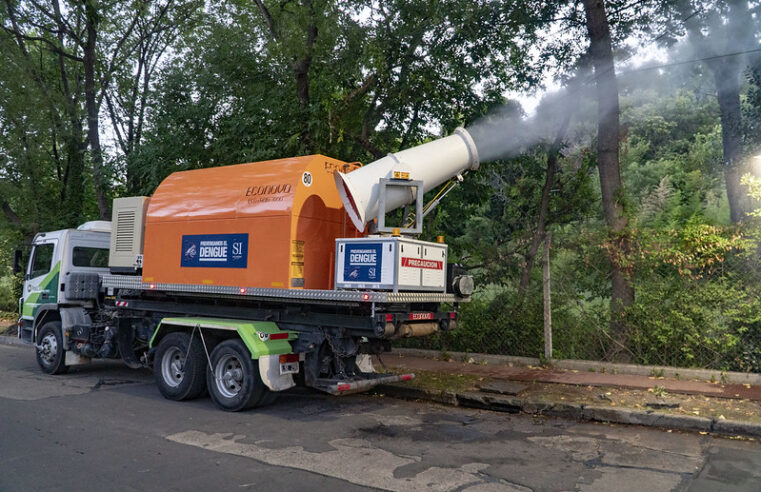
[443, 381]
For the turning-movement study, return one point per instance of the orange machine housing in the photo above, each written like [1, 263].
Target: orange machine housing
[289, 209]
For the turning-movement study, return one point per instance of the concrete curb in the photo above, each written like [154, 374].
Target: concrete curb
[596, 366]
[573, 411]
[5, 340]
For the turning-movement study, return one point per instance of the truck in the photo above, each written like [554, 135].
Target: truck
[243, 281]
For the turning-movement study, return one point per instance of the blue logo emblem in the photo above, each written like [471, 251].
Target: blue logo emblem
[215, 251]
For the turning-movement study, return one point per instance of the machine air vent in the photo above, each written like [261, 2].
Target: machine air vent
[125, 229]
[128, 225]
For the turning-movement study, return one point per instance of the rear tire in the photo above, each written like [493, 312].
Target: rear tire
[49, 349]
[179, 367]
[234, 380]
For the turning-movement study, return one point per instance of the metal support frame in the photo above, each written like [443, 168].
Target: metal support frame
[302, 296]
[419, 192]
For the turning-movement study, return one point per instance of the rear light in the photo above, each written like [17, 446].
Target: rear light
[389, 318]
[288, 358]
[344, 387]
[365, 297]
[242, 290]
[407, 377]
[278, 336]
[152, 286]
[452, 315]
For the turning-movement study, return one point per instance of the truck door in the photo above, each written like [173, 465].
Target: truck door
[87, 252]
[41, 284]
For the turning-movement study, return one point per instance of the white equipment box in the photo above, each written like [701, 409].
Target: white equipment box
[391, 263]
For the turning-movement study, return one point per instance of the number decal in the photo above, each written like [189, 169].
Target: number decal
[306, 178]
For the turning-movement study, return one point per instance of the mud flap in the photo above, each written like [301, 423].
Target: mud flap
[73, 359]
[269, 368]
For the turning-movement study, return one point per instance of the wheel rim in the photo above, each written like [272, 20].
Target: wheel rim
[48, 348]
[173, 367]
[228, 375]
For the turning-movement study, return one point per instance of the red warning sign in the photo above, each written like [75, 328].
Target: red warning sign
[418, 263]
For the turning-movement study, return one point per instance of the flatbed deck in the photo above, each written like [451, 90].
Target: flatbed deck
[348, 297]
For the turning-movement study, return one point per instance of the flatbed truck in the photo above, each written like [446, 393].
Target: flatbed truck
[243, 281]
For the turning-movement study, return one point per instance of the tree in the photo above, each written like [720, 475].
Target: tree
[157, 27]
[611, 187]
[378, 77]
[92, 41]
[53, 109]
[720, 31]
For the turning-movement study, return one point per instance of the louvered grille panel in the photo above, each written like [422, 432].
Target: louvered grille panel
[128, 220]
[125, 230]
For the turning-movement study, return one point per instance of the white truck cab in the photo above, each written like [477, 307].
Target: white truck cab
[55, 256]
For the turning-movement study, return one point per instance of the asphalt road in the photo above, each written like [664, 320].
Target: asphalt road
[105, 427]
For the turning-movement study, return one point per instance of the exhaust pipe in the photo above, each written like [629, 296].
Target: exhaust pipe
[432, 163]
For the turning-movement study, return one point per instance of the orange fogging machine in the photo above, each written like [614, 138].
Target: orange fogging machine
[311, 224]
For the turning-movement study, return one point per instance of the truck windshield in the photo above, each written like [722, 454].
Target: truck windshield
[90, 257]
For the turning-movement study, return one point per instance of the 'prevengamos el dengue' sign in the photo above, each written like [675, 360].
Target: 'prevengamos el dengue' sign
[215, 250]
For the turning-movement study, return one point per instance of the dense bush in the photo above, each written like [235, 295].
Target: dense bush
[10, 290]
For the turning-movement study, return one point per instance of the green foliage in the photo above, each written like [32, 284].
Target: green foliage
[380, 77]
[697, 302]
[752, 109]
[10, 290]
[754, 190]
[696, 278]
[10, 284]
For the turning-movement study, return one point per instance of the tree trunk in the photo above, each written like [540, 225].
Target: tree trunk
[301, 72]
[544, 204]
[622, 291]
[93, 126]
[727, 79]
[735, 32]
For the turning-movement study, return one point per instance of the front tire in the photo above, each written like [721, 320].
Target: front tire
[234, 380]
[49, 349]
[179, 367]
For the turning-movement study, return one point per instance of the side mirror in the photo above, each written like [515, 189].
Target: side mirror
[18, 265]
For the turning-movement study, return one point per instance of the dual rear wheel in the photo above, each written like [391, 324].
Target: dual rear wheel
[230, 375]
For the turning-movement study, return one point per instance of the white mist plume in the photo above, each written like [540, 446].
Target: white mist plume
[507, 132]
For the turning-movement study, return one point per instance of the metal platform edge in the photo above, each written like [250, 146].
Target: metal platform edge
[136, 283]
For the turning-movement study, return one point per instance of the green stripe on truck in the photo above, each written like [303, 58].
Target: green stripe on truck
[247, 330]
[31, 304]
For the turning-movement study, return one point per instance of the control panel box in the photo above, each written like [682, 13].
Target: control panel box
[390, 263]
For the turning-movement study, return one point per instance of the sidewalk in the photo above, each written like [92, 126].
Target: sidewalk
[708, 405]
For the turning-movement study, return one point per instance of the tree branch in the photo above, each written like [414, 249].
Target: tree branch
[12, 217]
[268, 19]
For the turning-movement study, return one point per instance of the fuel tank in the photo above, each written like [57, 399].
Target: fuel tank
[270, 224]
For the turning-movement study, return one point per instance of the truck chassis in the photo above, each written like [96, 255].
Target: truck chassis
[181, 330]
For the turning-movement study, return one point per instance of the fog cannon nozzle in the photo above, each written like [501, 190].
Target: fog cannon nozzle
[433, 163]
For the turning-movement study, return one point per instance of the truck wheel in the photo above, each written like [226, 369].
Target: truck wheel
[50, 353]
[234, 381]
[179, 367]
